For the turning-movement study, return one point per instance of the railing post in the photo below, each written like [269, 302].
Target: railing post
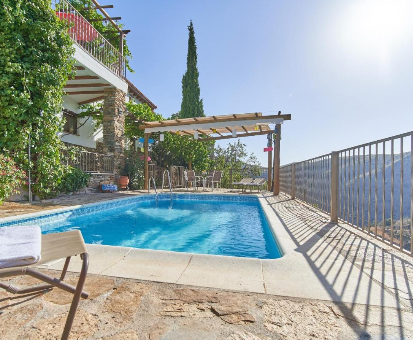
[293, 181]
[334, 185]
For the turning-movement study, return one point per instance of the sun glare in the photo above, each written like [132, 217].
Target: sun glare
[376, 28]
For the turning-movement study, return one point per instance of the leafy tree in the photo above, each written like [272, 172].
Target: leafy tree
[137, 114]
[36, 62]
[183, 151]
[192, 105]
[235, 162]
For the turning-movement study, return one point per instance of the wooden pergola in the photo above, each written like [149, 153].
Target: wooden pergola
[222, 127]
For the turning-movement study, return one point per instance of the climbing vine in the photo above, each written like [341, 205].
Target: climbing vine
[36, 62]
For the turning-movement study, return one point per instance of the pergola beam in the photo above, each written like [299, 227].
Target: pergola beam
[92, 100]
[68, 86]
[83, 92]
[238, 136]
[215, 131]
[222, 123]
[106, 15]
[85, 78]
[100, 6]
[105, 19]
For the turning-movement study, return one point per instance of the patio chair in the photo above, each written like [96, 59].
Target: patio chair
[190, 177]
[215, 179]
[257, 182]
[208, 178]
[54, 247]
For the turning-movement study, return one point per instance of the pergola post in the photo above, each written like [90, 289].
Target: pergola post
[276, 187]
[269, 180]
[146, 155]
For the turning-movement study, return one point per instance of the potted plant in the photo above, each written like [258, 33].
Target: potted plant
[124, 181]
[132, 173]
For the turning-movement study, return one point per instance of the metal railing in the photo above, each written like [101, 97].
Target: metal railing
[312, 182]
[156, 172]
[169, 181]
[177, 176]
[286, 174]
[89, 161]
[369, 186]
[151, 179]
[89, 39]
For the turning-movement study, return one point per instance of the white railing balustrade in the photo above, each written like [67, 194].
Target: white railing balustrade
[89, 162]
[89, 39]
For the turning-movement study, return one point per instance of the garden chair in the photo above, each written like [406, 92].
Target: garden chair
[208, 179]
[54, 247]
[215, 179]
[190, 177]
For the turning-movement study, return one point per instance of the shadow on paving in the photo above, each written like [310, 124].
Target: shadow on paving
[325, 245]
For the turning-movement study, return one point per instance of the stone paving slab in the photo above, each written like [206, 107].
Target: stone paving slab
[133, 309]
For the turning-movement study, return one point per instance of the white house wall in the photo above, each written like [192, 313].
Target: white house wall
[85, 134]
[96, 67]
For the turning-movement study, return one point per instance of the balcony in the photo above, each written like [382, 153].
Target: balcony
[89, 39]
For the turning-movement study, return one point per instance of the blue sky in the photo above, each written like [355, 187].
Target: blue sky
[343, 69]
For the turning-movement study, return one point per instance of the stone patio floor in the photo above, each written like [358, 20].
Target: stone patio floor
[134, 309]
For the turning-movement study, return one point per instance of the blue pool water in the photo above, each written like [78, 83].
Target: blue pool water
[203, 227]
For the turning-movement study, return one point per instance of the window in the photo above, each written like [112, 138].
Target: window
[70, 122]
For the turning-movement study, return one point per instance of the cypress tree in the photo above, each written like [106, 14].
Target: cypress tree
[192, 105]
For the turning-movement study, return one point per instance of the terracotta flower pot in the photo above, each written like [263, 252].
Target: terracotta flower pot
[123, 182]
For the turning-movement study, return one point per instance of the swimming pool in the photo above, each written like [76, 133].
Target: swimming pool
[217, 225]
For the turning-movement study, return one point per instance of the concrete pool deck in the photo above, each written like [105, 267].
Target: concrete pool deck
[322, 261]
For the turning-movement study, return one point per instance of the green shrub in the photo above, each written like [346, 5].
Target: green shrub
[11, 177]
[134, 169]
[73, 180]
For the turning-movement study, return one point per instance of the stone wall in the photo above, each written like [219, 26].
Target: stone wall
[97, 179]
[114, 126]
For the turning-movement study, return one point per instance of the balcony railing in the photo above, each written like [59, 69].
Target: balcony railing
[89, 39]
[368, 186]
[89, 162]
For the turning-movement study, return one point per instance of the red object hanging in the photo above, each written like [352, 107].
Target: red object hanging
[268, 149]
[81, 30]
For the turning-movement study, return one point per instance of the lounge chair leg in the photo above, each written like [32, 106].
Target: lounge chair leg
[64, 271]
[54, 282]
[76, 297]
[15, 290]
